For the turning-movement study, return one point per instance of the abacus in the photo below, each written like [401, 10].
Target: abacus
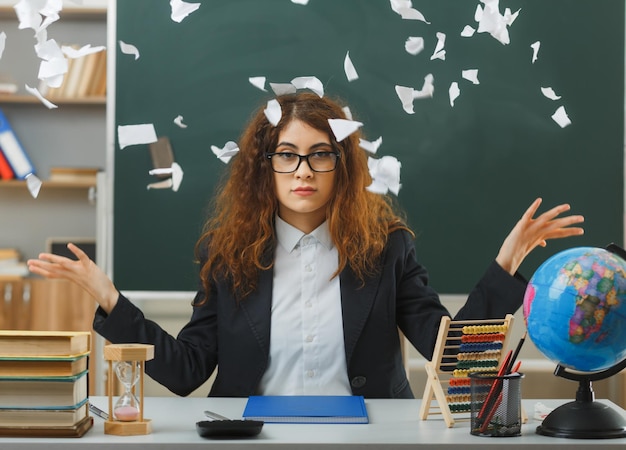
[462, 347]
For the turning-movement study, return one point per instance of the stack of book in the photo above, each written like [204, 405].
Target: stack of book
[14, 162]
[83, 175]
[43, 383]
[85, 77]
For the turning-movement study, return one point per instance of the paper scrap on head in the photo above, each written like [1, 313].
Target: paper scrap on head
[43, 100]
[414, 45]
[349, 69]
[385, 173]
[33, 184]
[224, 154]
[273, 112]
[136, 134]
[470, 75]
[129, 49]
[560, 117]
[453, 92]
[439, 52]
[371, 146]
[405, 9]
[181, 9]
[535, 46]
[343, 128]
[408, 94]
[173, 182]
[549, 93]
[283, 88]
[312, 83]
[258, 82]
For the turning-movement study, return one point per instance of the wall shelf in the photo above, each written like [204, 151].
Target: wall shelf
[31, 99]
[49, 184]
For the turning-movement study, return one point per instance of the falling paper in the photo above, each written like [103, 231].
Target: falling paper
[439, 52]
[136, 134]
[85, 50]
[453, 92]
[3, 39]
[258, 82]
[178, 120]
[405, 9]
[300, 2]
[343, 128]
[560, 117]
[181, 9]
[37, 94]
[414, 45]
[349, 69]
[470, 75]
[491, 21]
[371, 146]
[549, 93]
[174, 182]
[535, 46]
[129, 49]
[224, 154]
[385, 174]
[408, 94]
[283, 88]
[468, 31]
[311, 83]
[273, 112]
[347, 112]
[33, 184]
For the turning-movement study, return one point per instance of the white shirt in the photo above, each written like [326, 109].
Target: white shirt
[307, 353]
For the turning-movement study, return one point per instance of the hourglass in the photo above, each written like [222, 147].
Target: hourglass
[126, 364]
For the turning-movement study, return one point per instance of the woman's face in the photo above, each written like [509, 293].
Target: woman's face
[303, 195]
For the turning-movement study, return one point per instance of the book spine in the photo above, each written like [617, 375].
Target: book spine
[6, 173]
[13, 150]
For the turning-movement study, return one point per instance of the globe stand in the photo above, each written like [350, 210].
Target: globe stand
[585, 418]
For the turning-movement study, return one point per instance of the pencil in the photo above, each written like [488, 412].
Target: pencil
[516, 353]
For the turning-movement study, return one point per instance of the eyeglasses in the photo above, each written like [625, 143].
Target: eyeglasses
[287, 162]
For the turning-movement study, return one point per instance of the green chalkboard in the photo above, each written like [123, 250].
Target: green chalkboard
[468, 171]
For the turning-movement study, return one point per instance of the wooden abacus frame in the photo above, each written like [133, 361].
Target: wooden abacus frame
[451, 370]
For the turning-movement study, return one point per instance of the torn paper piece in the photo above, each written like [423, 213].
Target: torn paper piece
[371, 146]
[129, 49]
[181, 9]
[541, 411]
[3, 40]
[471, 75]
[283, 88]
[560, 117]
[405, 9]
[136, 134]
[27, 15]
[468, 31]
[224, 154]
[273, 112]
[439, 52]
[53, 71]
[549, 93]
[428, 88]
[343, 128]
[37, 94]
[178, 120]
[258, 82]
[174, 181]
[385, 173]
[85, 50]
[453, 92]
[33, 184]
[347, 112]
[300, 2]
[349, 69]
[408, 94]
[535, 46]
[414, 45]
[311, 83]
[491, 21]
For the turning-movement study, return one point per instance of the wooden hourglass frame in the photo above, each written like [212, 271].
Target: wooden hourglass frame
[137, 355]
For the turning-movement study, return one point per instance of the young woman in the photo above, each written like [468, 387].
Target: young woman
[306, 276]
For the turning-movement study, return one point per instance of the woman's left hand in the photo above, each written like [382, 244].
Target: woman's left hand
[530, 232]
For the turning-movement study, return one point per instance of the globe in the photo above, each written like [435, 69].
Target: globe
[575, 309]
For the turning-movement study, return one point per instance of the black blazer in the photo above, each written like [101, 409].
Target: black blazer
[235, 338]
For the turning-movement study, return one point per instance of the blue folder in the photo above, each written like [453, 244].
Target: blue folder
[306, 409]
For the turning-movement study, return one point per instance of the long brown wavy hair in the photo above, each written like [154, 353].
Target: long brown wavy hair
[239, 239]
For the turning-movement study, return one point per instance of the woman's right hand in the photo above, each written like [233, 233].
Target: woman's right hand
[83, 272]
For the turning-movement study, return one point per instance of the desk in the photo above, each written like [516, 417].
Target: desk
[394, 424]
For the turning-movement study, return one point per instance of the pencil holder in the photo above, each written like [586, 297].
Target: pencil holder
[496, 404]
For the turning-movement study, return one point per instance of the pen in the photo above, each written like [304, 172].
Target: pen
[98, 412]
